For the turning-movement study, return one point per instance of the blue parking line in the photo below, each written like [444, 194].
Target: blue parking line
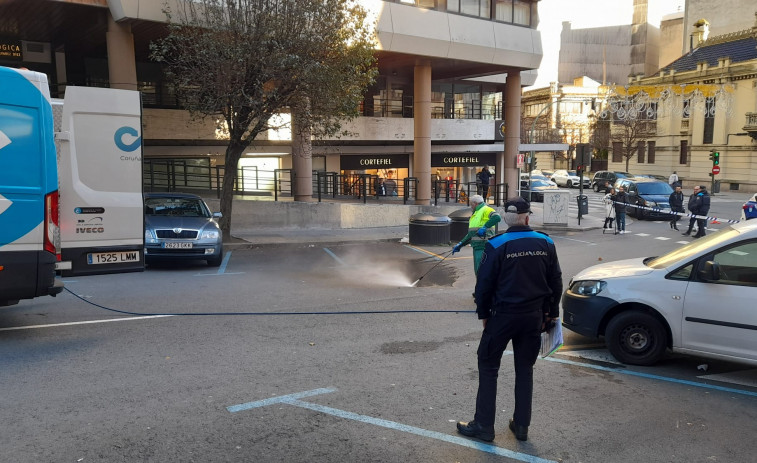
[222, 268]
[336, 258]
[293, 399]
[650, 376]
[278, 399]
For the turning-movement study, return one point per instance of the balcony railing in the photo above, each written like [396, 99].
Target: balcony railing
[751, 125]
[474, 109]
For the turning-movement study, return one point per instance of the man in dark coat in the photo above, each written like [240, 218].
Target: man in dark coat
[484, 177]
[676, 205]
[621, 200]
[694, 206]
[703, 199]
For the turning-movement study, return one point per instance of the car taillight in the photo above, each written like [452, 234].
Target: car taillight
[52, 224]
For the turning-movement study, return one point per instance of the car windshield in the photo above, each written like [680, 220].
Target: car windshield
[654, 188]
[183, 207]
[572, 172]
[686, 251]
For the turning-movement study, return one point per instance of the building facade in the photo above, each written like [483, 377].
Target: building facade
[707, 102]
[450, 72]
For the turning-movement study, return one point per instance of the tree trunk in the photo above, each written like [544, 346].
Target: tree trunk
[302, 153]
[233, 153]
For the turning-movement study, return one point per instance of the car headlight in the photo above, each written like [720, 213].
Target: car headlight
[587, 287]
[149, 237]
[210, 235]
[651, 204]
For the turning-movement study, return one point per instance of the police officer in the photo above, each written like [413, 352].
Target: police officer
[518, 292]
[480, 228]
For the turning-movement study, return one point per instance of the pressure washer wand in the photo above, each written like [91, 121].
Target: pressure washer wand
[429, 270]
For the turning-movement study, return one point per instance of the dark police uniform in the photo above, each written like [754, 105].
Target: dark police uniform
[519, 284]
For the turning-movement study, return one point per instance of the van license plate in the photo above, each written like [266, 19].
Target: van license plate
[112, 257]
[177, 245]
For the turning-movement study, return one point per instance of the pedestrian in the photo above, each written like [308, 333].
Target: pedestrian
[609, 209]
[620, 198]
[703, 198]
[676, 205]
[484, 177]
[693, 206]
[390, 186]
[517, 294]
[607, 187]
[673, 179]
[480, 229]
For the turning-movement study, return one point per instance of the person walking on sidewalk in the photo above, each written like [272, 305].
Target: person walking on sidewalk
[703, 198]
[676, 205]
[517, 294]
[480, 229]
[673, 179]
[694, 206]
[621, 200]
[484, 177]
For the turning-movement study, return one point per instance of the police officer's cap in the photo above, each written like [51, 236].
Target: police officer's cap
[518, 206]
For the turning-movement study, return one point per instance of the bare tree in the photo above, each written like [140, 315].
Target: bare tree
[627, 134]
[599, 129]
[248, 60]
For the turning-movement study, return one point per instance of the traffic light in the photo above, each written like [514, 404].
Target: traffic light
[533, 163]
[715, 158]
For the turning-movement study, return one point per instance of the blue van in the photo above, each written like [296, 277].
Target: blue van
[29, 220]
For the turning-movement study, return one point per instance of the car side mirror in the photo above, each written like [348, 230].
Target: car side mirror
[710, 272]
[217, 215]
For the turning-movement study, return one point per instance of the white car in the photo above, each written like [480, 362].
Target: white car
[569, 178]
[697, 299]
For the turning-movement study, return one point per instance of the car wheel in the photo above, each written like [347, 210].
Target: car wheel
[570, 184]
[596, 188]
[636, 338]
[216, 261]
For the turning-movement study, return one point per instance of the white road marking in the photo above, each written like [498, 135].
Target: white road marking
[88, 322]
[662, 238]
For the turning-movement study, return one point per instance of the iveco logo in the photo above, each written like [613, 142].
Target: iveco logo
[178, 230]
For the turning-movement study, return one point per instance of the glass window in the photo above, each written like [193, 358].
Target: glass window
[503, 10]
[469, 7]
[521, 12]
[738, 265]
[650, 152]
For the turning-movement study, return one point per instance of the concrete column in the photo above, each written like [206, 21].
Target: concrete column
[506, 164]
[122, 66]
[422, 132]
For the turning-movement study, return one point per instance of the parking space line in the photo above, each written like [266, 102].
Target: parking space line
[293, 399]
[336, 258]
[651, 376]
[423, 251]
[222, 268]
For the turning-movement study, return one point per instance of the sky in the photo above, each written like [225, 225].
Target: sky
[586, 14]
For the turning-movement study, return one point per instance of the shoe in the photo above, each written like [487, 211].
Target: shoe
[686, 234]
[521, 432]
[699, 236]
[473, 429]
[676, 228]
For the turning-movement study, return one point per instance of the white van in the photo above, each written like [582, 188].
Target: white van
[99, 140]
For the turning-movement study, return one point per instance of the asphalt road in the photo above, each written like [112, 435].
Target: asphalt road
[309, 375]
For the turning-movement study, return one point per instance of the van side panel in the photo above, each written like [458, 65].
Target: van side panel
[101, 203]
[28, 172]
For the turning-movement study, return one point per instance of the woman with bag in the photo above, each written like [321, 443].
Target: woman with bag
[609, 210]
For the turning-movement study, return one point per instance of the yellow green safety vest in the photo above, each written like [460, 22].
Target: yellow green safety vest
[479, 219]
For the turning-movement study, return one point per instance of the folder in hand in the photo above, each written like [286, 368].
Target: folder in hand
[551, 340]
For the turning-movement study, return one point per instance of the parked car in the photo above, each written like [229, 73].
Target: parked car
[647, 192]
[697, 299]
[569, 178]
[602, 176]
[181, 226]
[538, 187]
[524, 177]
[656, 177]
[749, 209]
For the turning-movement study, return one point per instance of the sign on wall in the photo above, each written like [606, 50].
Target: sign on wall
[10, 49]
[374, 161]
[463, 159]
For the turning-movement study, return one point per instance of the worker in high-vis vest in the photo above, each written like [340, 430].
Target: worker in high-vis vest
[480, 229]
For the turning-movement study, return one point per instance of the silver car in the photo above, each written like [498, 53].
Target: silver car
[181, 226]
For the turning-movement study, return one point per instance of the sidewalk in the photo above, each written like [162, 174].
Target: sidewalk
[266, 236]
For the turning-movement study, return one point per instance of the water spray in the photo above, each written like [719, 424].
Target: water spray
[429, 270]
